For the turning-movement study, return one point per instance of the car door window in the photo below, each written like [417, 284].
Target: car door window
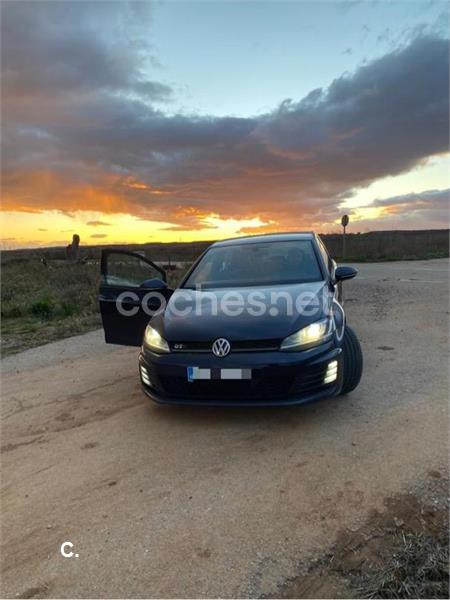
[129, 270]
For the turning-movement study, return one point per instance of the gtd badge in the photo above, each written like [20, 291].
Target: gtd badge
[221, 347]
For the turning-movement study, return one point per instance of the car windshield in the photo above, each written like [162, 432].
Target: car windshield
[253, 264]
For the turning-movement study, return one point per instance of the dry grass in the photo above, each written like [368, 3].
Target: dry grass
[42, 304]
[418, 568]
[390, 245]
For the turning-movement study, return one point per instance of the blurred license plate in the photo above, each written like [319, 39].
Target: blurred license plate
[198, 373]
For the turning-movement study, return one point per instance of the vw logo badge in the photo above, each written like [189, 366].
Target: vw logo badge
[221, 347]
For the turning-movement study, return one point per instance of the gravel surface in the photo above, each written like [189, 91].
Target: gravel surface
[184, 502]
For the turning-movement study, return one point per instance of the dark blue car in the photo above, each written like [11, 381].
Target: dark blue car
[256, 321]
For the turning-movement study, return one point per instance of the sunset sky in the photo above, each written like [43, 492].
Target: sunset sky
[174, 121]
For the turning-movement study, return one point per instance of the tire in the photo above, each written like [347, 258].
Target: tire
[353, 361]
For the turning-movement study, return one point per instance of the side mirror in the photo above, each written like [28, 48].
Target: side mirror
[154, 284]
[343, 273]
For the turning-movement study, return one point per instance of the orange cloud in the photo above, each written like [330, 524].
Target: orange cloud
[139, 185]
[40, 190]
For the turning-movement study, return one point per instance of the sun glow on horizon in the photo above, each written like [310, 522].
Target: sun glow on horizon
[54, 228]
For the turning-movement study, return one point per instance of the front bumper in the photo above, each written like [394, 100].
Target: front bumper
[278, 378]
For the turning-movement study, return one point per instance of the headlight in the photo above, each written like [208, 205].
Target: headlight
[313, 334]
[154, 341]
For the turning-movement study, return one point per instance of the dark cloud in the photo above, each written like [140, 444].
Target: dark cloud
[82, 131]
[427, 200]
[98, 223]
[411, 211]
[381, 121]
[59, 49]
[98, 235]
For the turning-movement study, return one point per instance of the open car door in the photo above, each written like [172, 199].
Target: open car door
[132, 289]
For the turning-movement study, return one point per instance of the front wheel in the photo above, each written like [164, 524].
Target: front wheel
[353, 361]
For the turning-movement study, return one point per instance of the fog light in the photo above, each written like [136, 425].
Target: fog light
[144, 376]
[331, 372]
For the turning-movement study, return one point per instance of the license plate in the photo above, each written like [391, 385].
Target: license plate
[198, 373]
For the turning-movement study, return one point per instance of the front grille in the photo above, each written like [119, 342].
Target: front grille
[259, 387]
[237, 346]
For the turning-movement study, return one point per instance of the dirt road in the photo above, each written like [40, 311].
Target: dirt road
[171, 502]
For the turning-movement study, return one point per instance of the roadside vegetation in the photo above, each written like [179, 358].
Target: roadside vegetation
[390, 245]
[418, 568]
[42, 303]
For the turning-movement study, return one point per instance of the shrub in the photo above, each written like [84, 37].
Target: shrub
[43, 308]
[68, 309]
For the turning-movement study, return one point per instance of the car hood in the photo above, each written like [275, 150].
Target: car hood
[193, 315]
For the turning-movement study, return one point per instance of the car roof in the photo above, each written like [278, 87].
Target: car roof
[268, 237]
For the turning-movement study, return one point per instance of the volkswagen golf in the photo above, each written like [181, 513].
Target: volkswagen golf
[255, 321]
